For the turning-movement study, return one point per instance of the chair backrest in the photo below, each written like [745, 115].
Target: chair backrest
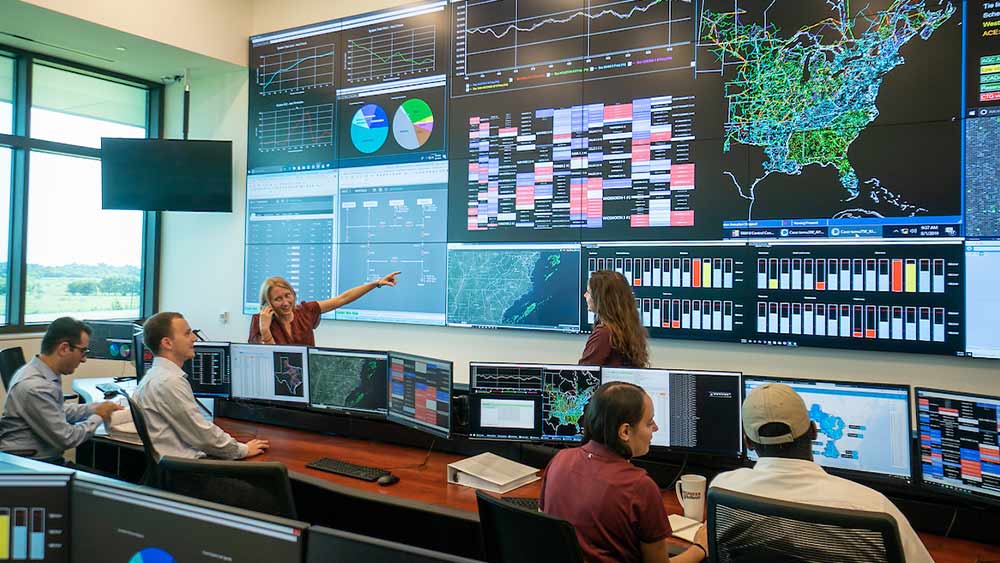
[11, 360]
[151, 477]
[746, 528]
[517, 535]
[259, 486]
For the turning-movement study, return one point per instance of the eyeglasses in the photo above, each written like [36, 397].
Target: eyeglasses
[83, 350]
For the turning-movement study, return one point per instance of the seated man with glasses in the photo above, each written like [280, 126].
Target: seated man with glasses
[34, 416]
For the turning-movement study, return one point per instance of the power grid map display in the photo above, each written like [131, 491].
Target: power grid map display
[726, 156]
[522, 286]
[353, 381]
[565, 394]
[859, 427]
[529, 401]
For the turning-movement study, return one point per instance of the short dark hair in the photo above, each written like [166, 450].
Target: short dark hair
[800, 448]
[63, 329]
[158, 327]
[613, 404]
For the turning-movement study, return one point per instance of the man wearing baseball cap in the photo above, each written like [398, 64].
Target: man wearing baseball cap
[776, 425]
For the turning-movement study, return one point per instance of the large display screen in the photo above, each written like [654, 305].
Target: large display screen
[760, 172]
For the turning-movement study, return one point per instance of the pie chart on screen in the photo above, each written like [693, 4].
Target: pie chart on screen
[369, 128]
[413, 124]
[152, 555]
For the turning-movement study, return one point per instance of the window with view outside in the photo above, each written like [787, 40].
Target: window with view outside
[5, 155]
[82, 261]
[6, 95]
[73, 108]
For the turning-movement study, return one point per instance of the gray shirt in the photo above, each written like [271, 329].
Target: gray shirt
[174, 420]
[35, 418]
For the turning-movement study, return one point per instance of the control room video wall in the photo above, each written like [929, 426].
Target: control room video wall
[783, 172]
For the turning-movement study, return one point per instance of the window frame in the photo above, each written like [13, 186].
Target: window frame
[21, 145]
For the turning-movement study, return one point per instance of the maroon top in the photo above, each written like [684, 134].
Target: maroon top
[613, 504]
[598, 351]
[305, 320]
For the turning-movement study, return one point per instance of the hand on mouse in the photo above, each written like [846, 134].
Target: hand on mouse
[257, 447]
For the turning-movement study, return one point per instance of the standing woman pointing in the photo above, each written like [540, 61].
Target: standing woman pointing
[281, 321]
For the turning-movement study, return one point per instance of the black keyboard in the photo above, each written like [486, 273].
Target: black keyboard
[529, 503]
[339, 467]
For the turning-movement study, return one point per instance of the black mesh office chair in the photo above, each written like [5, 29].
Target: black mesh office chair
[151, 477]
[259, 486]
[750, 529]
[517, 535]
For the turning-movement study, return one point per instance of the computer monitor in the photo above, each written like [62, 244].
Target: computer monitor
[270, 373]
[333, 546]
[125, 522]
[34, 510]
[959, 450]
[210, 370]
[864, 428]
[420, 393]
[142, 356]
[111, 340]
[533, 402]
[348, 380]
[696, 411]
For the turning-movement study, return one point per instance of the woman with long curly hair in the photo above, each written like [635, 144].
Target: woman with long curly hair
[619, 339]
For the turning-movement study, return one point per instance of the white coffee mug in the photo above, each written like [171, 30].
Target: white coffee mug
[691, 494]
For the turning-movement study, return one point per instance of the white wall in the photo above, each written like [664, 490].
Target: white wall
[217, 28]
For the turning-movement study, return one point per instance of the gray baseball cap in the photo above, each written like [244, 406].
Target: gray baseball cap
[775, 402]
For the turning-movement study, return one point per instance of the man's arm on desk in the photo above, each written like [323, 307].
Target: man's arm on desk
[201, 434]
[657, 552]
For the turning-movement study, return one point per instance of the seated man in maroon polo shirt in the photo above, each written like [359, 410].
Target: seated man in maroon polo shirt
[616, 508]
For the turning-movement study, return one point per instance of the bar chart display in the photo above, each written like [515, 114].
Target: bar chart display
[34, 518]
[877, 297]
[682, 291]
[959, 449]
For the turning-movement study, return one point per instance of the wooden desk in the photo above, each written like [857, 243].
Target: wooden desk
[426, 488]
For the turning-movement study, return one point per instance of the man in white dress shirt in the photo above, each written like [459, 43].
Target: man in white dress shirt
[776, 425]
[175, 423]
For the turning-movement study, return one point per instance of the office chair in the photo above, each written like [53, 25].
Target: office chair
[151, 477]
[750, 529]
[517, 535]
[11, 360]
[261, 486]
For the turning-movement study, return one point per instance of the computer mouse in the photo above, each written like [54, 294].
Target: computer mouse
[387, 480]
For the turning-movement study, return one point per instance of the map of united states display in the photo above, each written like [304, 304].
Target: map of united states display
[805, 95]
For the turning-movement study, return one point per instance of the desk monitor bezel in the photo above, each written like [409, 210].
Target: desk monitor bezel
[940, 488]
[379, 414]
[894, 481]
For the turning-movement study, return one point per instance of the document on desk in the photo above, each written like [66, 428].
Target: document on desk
[683, 527]
[491, 472]
[122, 428]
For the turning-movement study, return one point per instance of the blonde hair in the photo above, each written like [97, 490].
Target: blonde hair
[271, 283]
[615, 307]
